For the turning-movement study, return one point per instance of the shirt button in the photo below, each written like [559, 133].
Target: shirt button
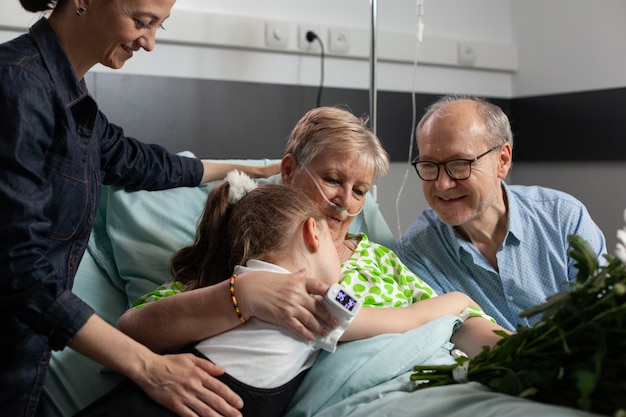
[510, 298]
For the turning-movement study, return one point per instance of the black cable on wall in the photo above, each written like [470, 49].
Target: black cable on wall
[312, 36]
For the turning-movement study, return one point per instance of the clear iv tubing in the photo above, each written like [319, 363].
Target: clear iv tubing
[419, 38]
[338, 209]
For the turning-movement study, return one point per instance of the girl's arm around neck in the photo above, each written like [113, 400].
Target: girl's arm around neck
[177, 321]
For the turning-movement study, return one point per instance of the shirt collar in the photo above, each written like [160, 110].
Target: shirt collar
[515, 228]
[256, 265]
[57, 62]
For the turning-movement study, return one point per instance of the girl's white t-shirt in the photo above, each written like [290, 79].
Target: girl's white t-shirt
[262, 354]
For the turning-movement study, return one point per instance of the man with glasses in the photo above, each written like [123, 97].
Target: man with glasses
[503, 245]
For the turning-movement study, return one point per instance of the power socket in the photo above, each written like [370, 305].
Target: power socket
[466, 54]
[276, 34]
[303, 42]
[339, 40]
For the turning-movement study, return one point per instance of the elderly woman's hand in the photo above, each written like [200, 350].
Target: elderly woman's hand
[286, 300]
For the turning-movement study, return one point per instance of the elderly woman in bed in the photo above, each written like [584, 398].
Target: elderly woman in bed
[335, 159]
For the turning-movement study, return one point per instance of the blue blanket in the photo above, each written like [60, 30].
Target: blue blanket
[371, 378]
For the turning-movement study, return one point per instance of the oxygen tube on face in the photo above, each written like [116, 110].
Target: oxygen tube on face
[340, 210]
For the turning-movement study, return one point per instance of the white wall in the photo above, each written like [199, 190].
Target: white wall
[446, 23]
[569, 45]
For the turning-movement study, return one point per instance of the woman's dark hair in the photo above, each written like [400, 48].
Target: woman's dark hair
[39, 5]
[262, 225]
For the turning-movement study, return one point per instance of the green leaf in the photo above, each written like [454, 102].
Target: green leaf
[586, 259]
[586, 382]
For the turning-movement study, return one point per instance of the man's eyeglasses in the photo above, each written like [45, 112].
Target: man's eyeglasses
[457, 169]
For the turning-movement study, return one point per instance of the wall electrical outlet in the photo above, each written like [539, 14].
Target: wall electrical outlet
[303, 43]
[276, 34]
[466, 54]
[339, 40]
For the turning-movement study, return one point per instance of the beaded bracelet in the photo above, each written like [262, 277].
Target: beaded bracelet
[231, 289]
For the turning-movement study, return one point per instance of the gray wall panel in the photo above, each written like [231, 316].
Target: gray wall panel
[214, 119]
[221, 119]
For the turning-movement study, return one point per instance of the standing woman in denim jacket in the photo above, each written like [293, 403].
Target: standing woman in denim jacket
[56, 150]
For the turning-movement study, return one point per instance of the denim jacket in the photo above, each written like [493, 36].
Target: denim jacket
[56, 150]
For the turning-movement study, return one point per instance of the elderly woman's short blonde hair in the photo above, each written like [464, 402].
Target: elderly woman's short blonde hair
[335, 131]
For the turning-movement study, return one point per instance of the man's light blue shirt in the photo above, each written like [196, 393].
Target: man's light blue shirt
[533, 261]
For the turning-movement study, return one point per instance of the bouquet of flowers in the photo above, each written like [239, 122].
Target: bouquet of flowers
[574, 356]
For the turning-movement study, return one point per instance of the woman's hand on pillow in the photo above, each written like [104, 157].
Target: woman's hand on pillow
[216, 171]
[287, 301]
[266, 171]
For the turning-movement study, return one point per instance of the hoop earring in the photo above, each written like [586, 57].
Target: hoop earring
[80, 11]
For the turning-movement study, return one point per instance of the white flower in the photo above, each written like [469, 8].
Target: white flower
[240, 185]
[620, 250]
